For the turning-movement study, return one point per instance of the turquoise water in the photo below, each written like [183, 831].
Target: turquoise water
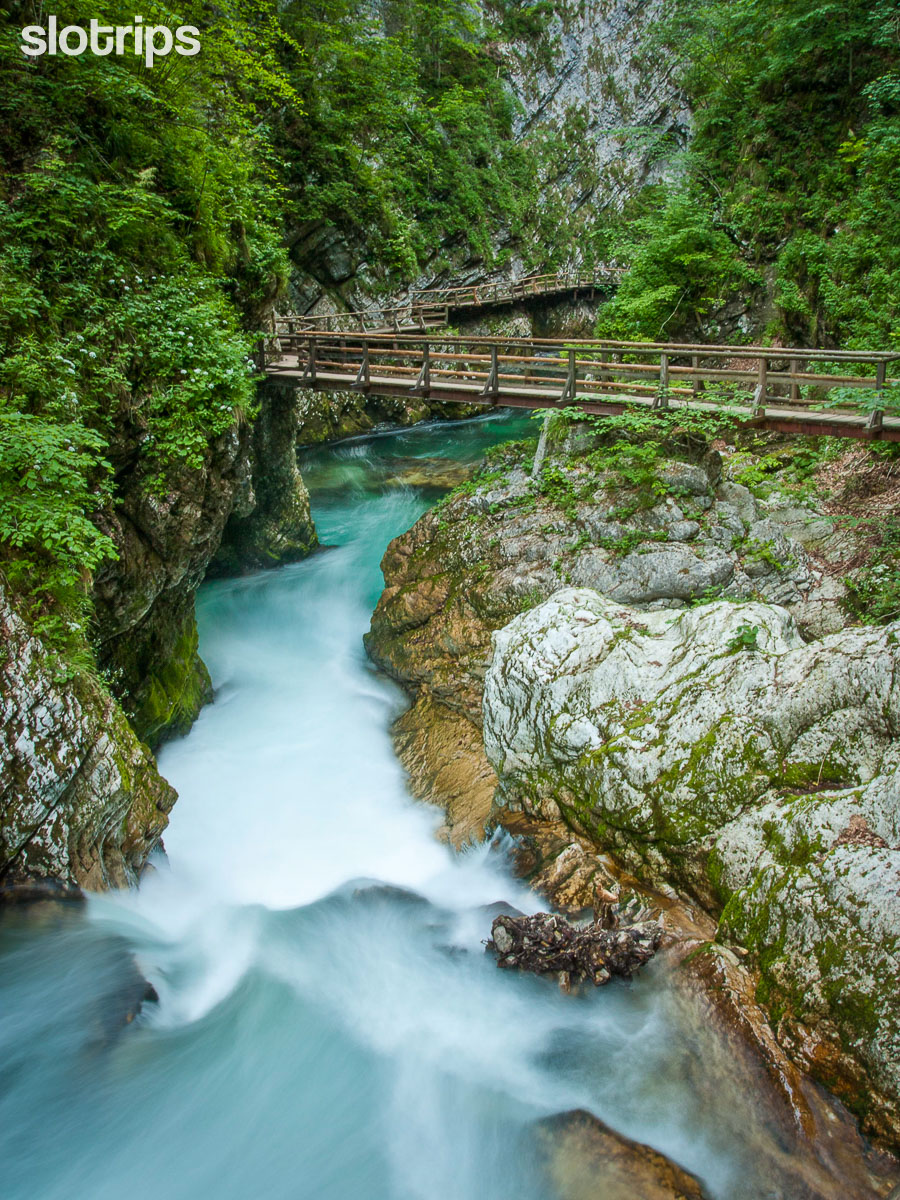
[328, 1026]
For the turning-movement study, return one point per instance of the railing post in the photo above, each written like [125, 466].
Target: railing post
[876, 416]
[568, 392]
[492, 386]
[759, 396]
[362, 377]
[602, 373]
[696, 384]
[795, 387]
[309, 371]
[662, 392]
[423, 383]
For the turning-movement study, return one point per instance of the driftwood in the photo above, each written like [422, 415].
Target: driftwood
[548, 944]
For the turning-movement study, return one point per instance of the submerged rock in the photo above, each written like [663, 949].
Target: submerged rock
[586, 1160]
[441, 474]
[548, 944]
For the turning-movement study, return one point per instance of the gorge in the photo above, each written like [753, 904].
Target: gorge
[303, 690]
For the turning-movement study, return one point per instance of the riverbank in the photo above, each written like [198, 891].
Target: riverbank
[718, 559]
[326, 1013]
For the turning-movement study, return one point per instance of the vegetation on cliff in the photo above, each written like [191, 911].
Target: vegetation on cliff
[792, 176]
[138, 242]
[142, 235]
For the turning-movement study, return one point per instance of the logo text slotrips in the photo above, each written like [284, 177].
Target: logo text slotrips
[148, 41]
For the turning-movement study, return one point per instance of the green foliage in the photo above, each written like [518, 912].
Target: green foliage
[746, 637]
[51, 478]
[405, 139]
[555, 484]
[874, 589]
[793, 170]
[526, 21]
[139, 246]
[638, 423]
[683, 267]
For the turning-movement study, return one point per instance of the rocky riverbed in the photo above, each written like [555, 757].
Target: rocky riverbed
[646, 649]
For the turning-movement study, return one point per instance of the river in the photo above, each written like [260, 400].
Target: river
[328, 1025]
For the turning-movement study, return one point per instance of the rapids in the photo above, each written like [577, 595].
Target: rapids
[328, 1027]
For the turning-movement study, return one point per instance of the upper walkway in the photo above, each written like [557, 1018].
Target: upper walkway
[430, 308]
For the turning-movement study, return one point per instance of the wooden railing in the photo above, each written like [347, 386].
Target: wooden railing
[431, 307]
[801, 390]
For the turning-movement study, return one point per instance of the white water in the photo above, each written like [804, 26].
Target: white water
[320, 1036]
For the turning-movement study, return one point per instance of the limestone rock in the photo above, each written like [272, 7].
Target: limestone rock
[714, 748]
[470, 565]
[589, 1161]
[279, 526]
[82, 803]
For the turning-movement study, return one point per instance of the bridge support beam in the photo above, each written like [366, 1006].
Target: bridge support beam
[541, 452]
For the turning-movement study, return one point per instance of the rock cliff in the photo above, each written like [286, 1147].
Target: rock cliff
[168, 528]
[82, 803]
[739, 740]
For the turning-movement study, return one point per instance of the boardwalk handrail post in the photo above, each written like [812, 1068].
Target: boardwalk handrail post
[697, 384]
[309, 371]
[795, 387]
[423, 383]
[661, 399]
[602, 374]
[492, 385]
[876, 416]
[362, 376]
[568, 392]
[759, 395]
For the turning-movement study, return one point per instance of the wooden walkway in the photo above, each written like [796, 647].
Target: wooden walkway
[839, 393]
[430, 308]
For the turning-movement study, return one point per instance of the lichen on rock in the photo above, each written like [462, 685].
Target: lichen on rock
[83, 803]
[714, 748]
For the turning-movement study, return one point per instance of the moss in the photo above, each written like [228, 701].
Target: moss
[174, 689]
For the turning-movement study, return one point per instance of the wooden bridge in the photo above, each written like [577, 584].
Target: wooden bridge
[816, 392]
[430, 308]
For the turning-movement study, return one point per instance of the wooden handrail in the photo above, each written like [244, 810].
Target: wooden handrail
[434, 303]
[545, 372]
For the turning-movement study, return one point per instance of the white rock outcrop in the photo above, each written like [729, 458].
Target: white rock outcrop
[713, 748]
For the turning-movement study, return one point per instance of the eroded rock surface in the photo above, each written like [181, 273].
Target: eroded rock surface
[82, 801]
[675, 532]
[589, 1161]
[714, 748]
